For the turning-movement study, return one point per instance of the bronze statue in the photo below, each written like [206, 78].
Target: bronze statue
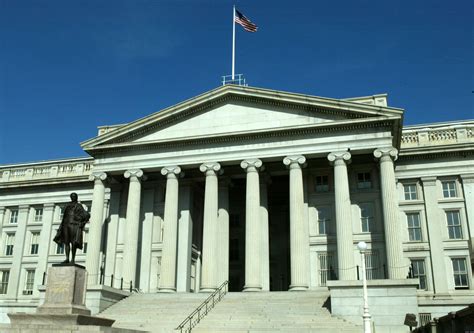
[70, 231]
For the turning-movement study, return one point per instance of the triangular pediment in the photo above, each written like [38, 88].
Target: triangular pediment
[234, 110]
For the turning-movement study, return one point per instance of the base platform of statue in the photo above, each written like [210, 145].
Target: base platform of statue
[64, 306]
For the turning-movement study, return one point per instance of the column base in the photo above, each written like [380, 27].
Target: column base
[298, 288]
[207, 290]
[167, 290]
[252, 289]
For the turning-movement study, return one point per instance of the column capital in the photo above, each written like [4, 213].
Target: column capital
[294, 161]
[98, 176]
[170, 171]
[428, 181]
[49, 206]
[383, 153]
[210, 167]
[136, 173]
[340, 157]
[251, 164]
[23, 208]
[467, 178]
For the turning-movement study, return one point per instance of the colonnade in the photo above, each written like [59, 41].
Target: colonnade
[216, 234]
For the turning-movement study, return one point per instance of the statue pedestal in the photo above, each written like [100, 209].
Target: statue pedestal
[65, 291]
[64, 306]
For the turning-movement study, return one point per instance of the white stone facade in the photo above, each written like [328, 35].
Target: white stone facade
[269, 190]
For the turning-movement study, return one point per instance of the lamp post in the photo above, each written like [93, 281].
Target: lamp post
[362, 246]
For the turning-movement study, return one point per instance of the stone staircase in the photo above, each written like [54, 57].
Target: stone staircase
[158, 312]
[295, 312]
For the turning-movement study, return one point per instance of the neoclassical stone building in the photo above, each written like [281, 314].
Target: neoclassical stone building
[266, 189]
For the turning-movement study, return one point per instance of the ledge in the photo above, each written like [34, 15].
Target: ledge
[382, 283]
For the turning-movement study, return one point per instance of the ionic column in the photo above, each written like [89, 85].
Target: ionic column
[95, 227]
[298, 228]
[388, 189]
[209, 237]
[345, 247]
[130, 249]
[252, 226]
[168, 257]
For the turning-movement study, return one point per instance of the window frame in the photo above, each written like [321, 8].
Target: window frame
[365, 183]
[447, 192]
[324, 218]
[4, 280]
[30, 280]
[13, 219]
[38, 217]
[423, 285]
[410, 193]
[34, 242]
[464, 273]
[411, 228]
[454, 227]
[321, 183]
[9, 244]
[367, 220]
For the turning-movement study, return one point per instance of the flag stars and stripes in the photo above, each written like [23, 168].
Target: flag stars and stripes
[244, 22]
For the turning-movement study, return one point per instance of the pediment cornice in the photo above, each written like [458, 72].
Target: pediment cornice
[351, 111]
[282, 133]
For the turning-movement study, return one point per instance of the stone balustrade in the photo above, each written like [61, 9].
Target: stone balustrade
[46, 171]
[415, 136]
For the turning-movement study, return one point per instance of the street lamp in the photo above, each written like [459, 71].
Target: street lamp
[362, 246]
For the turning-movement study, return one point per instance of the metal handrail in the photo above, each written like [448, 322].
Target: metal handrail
[191, 321]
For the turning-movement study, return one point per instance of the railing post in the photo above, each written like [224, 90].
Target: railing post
[121, 283]
[112, 281]
[131, 286]
[358, 278]
[44, 278]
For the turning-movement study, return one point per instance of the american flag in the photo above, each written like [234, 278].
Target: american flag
[244, 22]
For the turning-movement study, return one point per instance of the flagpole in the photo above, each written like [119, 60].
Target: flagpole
[233, 43]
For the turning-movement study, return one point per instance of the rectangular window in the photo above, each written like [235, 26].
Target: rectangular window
[410, 192]
[371, 264]
[326, 267]
[414, 227]
[14, 216]
[460, 273]
[84, 241]
[34, 242]
[322, 184]
[324, 218]
[9, 244]
[61, 212]
[366, 216]
[38, 214]
[5, 276]
[418, 270]
[453, 219]
[59, 248]
[30, 282]
[364, 180]
[449, 189]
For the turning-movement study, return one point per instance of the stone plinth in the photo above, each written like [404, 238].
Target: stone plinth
[65, 290]
[64, 307]
[389, 301]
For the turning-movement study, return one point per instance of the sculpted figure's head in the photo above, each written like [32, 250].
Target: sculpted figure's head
[73, 197]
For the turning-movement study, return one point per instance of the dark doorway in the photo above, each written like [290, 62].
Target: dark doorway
[279, 229]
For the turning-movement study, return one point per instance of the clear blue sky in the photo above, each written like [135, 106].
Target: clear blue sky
[67, 67]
